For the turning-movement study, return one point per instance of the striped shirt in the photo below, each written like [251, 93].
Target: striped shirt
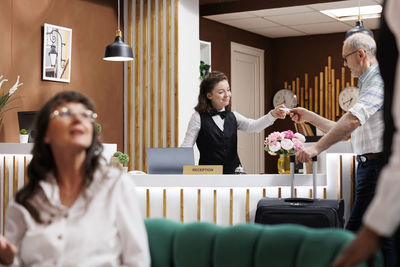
[367, 138]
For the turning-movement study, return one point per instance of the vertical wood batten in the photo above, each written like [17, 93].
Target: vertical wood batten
[168, 71]
[137, 86]
[15, 175]
[130, 89]
[25, 170]
[145, 84]
[5, 190]
[160, 73]
[176, 75]
[198, 204]
[147, 203]
[153, 71]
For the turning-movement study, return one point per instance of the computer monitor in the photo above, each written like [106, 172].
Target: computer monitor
[25, 121]
[169, 160]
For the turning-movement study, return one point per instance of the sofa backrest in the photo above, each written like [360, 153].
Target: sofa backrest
[201, 244]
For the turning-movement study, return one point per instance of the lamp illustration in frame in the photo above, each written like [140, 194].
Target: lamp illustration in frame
[57, 42]
[118, 50]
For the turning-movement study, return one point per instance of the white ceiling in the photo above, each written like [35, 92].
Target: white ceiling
[295, 21]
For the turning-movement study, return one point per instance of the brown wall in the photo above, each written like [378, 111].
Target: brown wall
[93, 24]
[285, 59]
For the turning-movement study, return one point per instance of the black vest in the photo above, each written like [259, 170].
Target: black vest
[217, 147]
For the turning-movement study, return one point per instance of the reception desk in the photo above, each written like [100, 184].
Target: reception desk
[221, 199]
[231, 199]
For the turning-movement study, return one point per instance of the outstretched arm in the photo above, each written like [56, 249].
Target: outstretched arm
[300, 115]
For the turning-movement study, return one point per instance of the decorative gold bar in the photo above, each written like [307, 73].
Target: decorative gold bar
[153, 71]
[306, 98]
[164, 203]
[302, 97]
[168, 74]
[329, 69]
[15, 175]
[337, 97]
[160, 74]
[130, 90]
[182, 206]
[321, 93]
[310, 101]
[298, 90]
[264, 192]
[25, 170]
[145, 86]
[333, 93]
[324, 192]
[316, 94]
[326, 94]
[215, 206]
[294, 91]
[147, 203]
[231, 206]
[279, 192]
[351, 80]
[285, 85]
[198, 204]
[137, 165]
[295, 192]
[5, 189]
[352, 181]
[340, 178]
[343, 77]
[310, 193]
[247, 205]
[176, 72]
[347, 84]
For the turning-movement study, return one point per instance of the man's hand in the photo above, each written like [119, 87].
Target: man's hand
[306, 154]
[7, 251]
[360, 249]
[299, 115]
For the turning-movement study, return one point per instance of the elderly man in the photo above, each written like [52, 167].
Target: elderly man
[364, 122]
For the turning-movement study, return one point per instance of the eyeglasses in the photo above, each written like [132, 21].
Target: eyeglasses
[65, 113]
[349, 54]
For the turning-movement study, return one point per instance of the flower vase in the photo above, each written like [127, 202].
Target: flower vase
[284, 164]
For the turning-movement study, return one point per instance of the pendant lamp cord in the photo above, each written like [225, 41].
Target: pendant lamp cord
[359, 10]
[118, 15]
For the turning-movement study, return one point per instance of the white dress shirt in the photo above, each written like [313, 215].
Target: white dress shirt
[244, 124]
[383, 214]
[104, 226]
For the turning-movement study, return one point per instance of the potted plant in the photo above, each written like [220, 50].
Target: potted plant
[119, 160]
[23, 136]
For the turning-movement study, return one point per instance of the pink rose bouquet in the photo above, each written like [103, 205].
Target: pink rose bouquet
[285, 142]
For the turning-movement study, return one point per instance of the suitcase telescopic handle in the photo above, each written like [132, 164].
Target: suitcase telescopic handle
[292, 161]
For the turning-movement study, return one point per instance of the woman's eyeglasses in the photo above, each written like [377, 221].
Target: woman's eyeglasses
[349, 54]
[65, 113]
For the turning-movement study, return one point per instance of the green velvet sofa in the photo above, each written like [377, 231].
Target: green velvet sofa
[174, 244]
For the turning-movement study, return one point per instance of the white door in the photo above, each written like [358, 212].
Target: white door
[247, 83]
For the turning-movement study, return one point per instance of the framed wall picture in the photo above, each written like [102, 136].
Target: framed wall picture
[57, 43]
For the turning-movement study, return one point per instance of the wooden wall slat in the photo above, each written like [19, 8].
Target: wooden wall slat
[176, 75]
[168, 71]
[137, 86]
[15, 175]
[153, 71]
[145, 85]
[160, 74]
[129, 117]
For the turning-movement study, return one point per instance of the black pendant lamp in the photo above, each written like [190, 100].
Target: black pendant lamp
[118, 51]
[359, 28]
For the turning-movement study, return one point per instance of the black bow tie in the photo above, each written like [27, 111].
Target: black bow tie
[222, 114]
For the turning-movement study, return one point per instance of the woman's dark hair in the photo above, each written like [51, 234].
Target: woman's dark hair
[43, 162]
[206, 86]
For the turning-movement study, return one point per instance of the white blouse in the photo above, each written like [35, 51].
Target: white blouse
[104, 226]
[244, 124]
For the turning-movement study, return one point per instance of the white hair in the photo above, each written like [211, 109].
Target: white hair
[361, 41]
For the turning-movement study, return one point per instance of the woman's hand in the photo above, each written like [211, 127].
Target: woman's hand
[7, 251]
[278, 113]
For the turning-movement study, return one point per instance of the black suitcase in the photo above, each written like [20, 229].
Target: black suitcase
[316, 213]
